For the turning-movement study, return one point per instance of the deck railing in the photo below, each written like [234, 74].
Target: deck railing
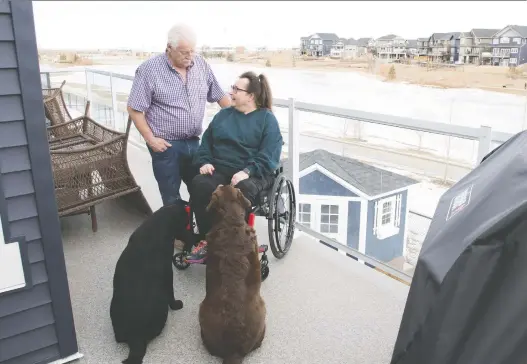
[109, 106]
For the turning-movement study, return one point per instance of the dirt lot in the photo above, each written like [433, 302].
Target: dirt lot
[490, 78]
[499, 79]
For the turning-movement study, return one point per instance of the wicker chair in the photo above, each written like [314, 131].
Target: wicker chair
[55, 107]
[90, 166]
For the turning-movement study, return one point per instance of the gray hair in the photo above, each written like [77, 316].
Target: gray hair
[181, 32]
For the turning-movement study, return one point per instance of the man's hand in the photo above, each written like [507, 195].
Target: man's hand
[225, 101]
[207, 169]
[158, 145]
[238, 177]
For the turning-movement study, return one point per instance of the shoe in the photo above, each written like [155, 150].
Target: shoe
[198, 254]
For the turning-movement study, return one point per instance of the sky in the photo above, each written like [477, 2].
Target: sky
[274, 24]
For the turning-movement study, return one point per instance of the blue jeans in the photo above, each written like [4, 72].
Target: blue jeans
[173, 166]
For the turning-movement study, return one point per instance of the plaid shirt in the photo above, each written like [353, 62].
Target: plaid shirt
[174, 110]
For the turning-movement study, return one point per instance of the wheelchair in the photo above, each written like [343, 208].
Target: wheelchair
[277, 204]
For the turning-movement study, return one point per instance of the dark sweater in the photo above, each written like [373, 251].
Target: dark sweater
[235, 141]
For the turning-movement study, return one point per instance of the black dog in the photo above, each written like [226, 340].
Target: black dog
[143, 280]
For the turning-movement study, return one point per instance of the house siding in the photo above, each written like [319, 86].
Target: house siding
[389, 248]
[520, 57]
[522, 54]
[455, 50]
[317, 183]
[353, 224]
[29, 329]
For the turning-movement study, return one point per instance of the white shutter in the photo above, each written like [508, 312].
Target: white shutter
[375, 217]
[398, 211]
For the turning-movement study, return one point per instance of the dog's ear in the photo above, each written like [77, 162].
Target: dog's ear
[244, 202]
[213, 202]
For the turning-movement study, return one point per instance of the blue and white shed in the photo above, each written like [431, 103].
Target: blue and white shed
[355, 203]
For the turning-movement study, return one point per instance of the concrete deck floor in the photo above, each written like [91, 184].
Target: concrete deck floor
[322, 306]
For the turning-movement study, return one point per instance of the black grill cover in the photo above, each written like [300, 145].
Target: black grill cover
[468, 298]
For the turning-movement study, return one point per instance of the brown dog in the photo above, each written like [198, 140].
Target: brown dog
[232, 315]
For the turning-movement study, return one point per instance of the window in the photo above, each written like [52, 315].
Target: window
[514, 50]
[304, 214]
[387, 217]
[386, 214]
[504, 40]
[517, 40]
[513, 61]
[329, 219]
[495, 41]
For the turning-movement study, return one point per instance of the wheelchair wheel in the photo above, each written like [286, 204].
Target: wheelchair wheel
[281, 219]
[179, 261]
[264, 272]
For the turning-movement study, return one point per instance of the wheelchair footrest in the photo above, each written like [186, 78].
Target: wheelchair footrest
[262, 248]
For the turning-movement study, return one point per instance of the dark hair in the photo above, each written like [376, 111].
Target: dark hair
[259, 87]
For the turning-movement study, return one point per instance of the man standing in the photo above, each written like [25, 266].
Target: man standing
[167, 105]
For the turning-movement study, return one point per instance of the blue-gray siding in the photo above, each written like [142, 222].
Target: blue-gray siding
[389, 248]
[522, 54]
[317, 183]
[455, 50]
[28, 327]
[353, 224]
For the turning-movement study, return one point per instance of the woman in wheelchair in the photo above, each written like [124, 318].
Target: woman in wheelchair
[241, 146]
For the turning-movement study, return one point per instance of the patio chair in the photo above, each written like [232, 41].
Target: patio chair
[55, 107]
[90, 165]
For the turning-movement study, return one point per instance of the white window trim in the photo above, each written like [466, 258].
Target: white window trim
[310, 225]
[514, 50]
[329, 215]
[393, 228]
[317, 201]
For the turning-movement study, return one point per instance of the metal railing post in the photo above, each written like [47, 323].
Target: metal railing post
[88, 86]
[293, 153]
[48, 80]
[485, 142]
[114, 103]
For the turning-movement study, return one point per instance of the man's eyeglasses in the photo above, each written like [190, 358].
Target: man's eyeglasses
[235, 89]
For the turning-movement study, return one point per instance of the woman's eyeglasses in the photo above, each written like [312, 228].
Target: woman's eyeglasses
[235, 89]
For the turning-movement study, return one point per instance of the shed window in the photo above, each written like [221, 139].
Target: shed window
[387, 216]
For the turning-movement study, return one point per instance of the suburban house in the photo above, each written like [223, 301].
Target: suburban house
[509, 46]
[454, 47]
[475, 46]
[303, 45]
[318, 44]
[345, 49]
[443, 47]
[337, 48]
[391, 47]
[364, 46]
[422, 48]
[359, 205]
[411, 48]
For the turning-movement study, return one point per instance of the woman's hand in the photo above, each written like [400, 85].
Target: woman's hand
[238, 177]
[207, 169]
